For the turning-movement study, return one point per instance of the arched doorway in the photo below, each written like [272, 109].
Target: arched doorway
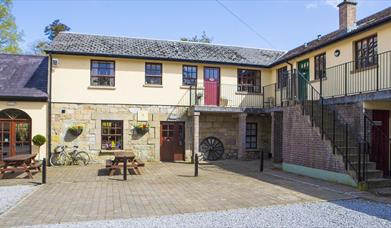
[15, 133]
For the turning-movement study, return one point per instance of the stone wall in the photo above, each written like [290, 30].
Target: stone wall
[302, 144]
[226, 128]
[146, 146]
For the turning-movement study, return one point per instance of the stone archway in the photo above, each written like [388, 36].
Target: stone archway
[15, 133]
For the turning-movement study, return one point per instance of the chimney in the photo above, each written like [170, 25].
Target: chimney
[347, 14]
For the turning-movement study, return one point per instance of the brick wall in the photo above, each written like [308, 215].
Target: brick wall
[277, 138]
[302, 144]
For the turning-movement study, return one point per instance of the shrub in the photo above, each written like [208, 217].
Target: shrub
[39, 140]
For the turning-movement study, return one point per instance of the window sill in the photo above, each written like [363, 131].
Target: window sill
[318, 80]
[110, 152]
[185, 87]
[252, 150]
[248, 93]
[152, 86]
[102, 87]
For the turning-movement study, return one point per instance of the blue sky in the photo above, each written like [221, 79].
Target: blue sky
[284, 23]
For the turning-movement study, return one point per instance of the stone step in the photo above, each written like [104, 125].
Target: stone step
[386, 192]
[368, 165]
[378, 183]
[373, 174]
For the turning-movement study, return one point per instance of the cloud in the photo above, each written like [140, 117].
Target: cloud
[332, 3]
[311, 5]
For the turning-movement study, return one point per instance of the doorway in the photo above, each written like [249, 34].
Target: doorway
[212, 86]
[172, 141]
[380, 149]
[15, 133]
[304, 77]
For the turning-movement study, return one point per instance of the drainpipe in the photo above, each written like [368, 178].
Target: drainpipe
[50, 109]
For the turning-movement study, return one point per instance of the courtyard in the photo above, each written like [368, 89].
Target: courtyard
[86, 194]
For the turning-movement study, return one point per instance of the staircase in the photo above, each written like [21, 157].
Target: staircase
[354, 146]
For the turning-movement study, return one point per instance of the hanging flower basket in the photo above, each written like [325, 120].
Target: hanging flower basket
[76, 130]
[142, 128]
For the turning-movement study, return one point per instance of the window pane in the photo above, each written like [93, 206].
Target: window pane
[189, 75]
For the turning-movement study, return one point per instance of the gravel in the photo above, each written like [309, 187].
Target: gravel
[10, 195]
[342, 213]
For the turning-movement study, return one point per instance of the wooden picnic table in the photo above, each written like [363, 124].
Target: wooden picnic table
[21, 162]
[121, 157]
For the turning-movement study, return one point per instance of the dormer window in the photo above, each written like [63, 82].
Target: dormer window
[102, 73]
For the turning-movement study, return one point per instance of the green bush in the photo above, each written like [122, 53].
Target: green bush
[39, 140]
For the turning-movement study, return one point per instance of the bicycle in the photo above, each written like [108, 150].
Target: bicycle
[64, 156]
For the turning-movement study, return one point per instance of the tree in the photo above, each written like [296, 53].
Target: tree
[203, 39]
[55, 28]
[39, 46]
[9, 34]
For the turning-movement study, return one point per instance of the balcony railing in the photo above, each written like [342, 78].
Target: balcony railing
[357, 77]
[225, 95]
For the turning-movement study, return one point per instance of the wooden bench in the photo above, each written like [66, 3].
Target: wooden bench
[36, 165]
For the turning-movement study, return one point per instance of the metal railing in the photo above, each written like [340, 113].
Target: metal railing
[225, 95]
[366, 75]
[356, 147]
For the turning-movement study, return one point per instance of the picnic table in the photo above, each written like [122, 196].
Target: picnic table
[21, 162]
[125, 158]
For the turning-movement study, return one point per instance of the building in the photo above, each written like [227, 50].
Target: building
[321, 109]
[23, 103]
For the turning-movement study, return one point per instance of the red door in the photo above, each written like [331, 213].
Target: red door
[212, 86]
[172, 141]
[380, 141]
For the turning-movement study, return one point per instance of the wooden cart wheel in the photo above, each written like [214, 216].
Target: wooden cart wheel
[211, 149]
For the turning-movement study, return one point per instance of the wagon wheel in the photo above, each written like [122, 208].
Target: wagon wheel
[211, 148]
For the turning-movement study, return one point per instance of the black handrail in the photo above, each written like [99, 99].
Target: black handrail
[356, 77]
[331, 123]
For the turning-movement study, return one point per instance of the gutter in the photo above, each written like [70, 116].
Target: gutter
[49, 134]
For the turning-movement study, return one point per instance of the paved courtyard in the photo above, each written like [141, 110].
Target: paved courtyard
[75, 194]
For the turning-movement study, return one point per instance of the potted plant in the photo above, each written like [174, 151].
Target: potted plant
[76, 130]
[142, 128]
[39, 140]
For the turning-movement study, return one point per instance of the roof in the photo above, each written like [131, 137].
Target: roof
[361, 25]
[23, 77]
[99, 45]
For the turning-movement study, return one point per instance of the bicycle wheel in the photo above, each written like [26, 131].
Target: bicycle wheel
[82, 158]
[57, 159]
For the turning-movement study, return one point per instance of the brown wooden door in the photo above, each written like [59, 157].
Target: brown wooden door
[380, 149]
[172, 141]
[15, 137]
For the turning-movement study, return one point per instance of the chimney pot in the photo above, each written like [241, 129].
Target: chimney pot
[347, 14]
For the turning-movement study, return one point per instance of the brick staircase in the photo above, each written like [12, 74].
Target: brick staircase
[346, 142]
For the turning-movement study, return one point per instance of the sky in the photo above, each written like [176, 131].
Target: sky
[274, 24]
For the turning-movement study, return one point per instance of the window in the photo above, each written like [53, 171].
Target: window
[189, 75]
[366, 52]
[320, 66]
[153, 73]
[112, 134]
[282, 77]
[251, 136]
[249, 81]
[102, 73]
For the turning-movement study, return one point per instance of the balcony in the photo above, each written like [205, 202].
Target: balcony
[231, 97]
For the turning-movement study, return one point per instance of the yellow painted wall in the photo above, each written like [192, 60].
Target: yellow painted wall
[363, 80]
[71, 82]
[38, 113]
